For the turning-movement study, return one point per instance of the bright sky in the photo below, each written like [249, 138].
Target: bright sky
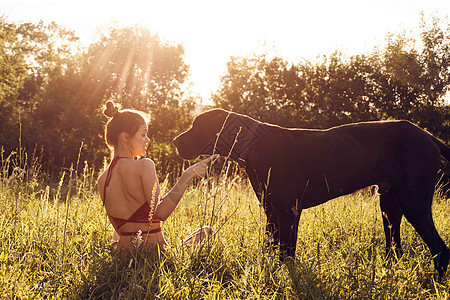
[212, 31]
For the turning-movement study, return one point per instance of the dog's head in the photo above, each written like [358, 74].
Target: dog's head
[217, 132]
[200, 138]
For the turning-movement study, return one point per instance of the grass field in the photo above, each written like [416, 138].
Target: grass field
[55, 244]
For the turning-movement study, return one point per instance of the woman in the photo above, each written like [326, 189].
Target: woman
[130, 189]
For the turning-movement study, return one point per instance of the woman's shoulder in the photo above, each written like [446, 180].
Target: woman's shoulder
[146, 168]
[138, 163]
[131, 168]
[145, 164]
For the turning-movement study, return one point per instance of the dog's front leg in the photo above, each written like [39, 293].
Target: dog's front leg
[282, 228]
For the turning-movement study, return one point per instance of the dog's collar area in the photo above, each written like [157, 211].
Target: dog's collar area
[236, 137]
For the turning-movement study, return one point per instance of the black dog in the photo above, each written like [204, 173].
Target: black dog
[293, 169]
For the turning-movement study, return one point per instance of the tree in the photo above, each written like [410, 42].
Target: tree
[405, 79]
[30, 54]
[53, 90]
[329, 92]
[413, 77]
[399, 80]
[136, 67]
[338, 90]
[12, 75]
[139, 70]
[260, 87]
[129, 65]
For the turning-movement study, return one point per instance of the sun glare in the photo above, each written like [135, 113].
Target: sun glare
[212, 31]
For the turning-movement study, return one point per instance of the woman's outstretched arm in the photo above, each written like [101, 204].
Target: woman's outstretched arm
[167, 204]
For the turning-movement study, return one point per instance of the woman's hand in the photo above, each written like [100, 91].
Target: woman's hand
[168, 203]
[201, 167]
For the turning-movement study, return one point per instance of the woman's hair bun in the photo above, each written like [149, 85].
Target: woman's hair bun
[111, 109]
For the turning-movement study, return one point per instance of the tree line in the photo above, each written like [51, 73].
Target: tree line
[52, 89]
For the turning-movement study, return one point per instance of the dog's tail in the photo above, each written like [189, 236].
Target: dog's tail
[445, 151]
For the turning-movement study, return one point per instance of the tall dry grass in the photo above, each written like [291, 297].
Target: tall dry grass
[55, 237]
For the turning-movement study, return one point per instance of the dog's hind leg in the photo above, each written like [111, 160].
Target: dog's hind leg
[415, 198]
[392, 217]
[421, 219]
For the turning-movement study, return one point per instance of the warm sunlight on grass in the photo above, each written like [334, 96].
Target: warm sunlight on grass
[287, 68]
[55, 243]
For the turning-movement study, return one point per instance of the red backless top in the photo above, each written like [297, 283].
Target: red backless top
[141, 215]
